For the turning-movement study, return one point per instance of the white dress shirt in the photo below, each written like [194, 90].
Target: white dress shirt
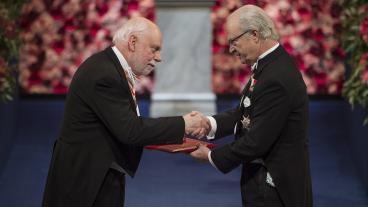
[127, 68]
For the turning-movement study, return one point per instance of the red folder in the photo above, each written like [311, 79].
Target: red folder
[188, 146]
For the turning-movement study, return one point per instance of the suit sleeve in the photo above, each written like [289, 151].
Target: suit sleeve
[112, 105]
[271, 107]
[226, 122]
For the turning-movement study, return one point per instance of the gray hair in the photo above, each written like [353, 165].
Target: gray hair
[127, 29]
[254, 18]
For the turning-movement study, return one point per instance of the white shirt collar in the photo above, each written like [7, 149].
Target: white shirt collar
[254, 66]
[125, 64]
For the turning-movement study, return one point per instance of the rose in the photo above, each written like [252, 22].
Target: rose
[364, 29]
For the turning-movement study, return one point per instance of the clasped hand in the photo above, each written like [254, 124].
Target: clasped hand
[196, 124]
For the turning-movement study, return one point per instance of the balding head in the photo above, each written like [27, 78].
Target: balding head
[139, 40]
[134, 25]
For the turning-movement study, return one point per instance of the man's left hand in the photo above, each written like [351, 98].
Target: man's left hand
[201, 153]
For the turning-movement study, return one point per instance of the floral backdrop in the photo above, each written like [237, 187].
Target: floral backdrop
[9, 44]
[309, 31]
[355, 42]
[60, 34]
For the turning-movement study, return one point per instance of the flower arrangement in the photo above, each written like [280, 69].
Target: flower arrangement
[309, 32]
[57, 36]
[9, 44]
[355, 41]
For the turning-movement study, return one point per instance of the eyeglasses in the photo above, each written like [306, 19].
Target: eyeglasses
[233, 40]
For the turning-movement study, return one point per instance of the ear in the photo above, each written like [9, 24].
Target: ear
[132, 41]
[255, 35]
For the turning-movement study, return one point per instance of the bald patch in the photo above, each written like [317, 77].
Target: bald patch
[141, 21]
[135, 25]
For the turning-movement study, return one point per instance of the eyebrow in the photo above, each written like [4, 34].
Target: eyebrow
[156, 47]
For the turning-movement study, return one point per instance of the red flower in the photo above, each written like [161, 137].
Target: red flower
[335, 10]
[59, 88]
[364, 59]
[102, 8]
[288, 47]
[58, 47]
[10, 29]
[364, 29]
[363, 9]
[132, 7]
[365, 76]
[305, 13]
[321, 80]
[319, 35]
[56, 14]
[317, 50]
[69, 25]
[338, 52]
[2, 68]
[337, 27]
[300, 62]
[215, 48]
[2, 62]
[94, 29]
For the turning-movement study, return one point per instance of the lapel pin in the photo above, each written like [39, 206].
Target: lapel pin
[246, 102]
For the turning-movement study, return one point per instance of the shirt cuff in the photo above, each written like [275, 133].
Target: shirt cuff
[210, 159]
[211, 134]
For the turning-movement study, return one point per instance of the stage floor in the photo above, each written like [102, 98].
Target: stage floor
[166, 180]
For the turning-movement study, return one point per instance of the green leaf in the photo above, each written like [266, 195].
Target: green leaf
[365, 121]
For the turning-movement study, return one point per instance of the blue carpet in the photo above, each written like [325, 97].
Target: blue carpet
[165, 180]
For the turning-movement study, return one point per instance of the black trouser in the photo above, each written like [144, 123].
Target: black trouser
[255, 191]
[111, 193]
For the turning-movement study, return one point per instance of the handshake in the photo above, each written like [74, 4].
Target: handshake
[196, 124]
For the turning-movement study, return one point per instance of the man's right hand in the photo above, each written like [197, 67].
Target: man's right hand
[196, 124]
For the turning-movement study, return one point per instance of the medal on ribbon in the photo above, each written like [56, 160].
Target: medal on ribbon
[253, 83]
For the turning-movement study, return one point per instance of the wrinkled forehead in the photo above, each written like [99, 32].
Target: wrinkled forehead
[232, 25]
[156, 34]
[153, 35]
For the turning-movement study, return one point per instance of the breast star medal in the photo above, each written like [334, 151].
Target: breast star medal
[245, 122]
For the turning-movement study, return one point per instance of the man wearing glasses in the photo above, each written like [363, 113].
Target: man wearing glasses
[270, 122]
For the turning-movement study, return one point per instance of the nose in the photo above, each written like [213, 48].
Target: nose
[157, 56]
